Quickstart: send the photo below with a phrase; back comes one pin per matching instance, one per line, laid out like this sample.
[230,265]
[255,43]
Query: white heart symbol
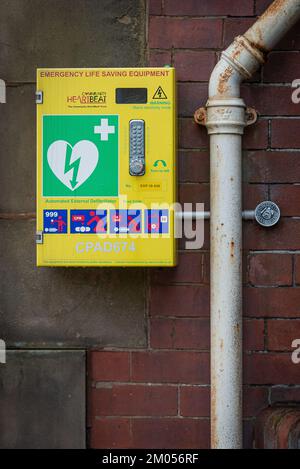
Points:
[72,170]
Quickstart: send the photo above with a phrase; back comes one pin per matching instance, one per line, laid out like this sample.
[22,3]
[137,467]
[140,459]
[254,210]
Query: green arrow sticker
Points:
[80,155]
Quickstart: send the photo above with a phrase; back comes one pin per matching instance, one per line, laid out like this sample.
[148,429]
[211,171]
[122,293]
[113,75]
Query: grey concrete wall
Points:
[42,400]
[52,306]
[55,308]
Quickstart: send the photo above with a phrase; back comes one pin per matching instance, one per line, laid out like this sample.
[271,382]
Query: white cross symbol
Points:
[104,129]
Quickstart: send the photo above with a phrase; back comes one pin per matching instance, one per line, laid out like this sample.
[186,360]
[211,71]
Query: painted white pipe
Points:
[246,215]
[225,118]
[226,294]
[192,215]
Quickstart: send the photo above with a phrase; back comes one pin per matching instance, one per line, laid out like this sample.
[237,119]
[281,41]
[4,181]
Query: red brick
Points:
[285,394]
[182,241]
[191,96]
[193,193]
[131,400]
[297,270]
[194,401]
[110,433]
[109,366]
[155,7]
[195,236]
[254,400]
[193,267]
[253,194]
[179,300]
[281,333]
[261,6]
[270,100]
[159,58]
[194,65]
[171,367]
[282,67]
[179,333]
[177,433]
[170,333]
[194,166]
[285,133]
[192,135]
[261,97]
[272,302]
[287,197]
[256,135]
[207,7]
[248,433]
[184,33]
[285,235]
[270,269]
[235,27]
[272,166]
[269,368]
[253,334]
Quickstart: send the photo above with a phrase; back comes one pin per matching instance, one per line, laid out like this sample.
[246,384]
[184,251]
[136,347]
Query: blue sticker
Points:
[157,221]
[125,221]
[89,221]
[55,221]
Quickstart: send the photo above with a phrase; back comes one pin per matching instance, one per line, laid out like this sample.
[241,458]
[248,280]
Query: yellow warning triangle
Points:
[159,94]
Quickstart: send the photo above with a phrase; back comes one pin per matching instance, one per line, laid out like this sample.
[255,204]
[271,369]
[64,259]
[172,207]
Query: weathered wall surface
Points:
[42,399]
[44,307]
[56,308]
[159,397]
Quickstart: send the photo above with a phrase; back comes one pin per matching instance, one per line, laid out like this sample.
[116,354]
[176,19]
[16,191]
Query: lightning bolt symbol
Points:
[71,166]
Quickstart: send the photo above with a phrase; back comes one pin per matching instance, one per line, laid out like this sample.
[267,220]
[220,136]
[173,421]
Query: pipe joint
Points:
[238,62]
[243,56]
[226,116]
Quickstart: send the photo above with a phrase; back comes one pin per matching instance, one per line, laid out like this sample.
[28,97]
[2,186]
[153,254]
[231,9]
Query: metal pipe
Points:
[226,294]
[246,215]
[273,24]
[192,215]
[225,117]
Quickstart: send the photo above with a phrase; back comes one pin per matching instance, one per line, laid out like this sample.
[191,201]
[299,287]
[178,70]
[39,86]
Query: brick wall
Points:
[159,396]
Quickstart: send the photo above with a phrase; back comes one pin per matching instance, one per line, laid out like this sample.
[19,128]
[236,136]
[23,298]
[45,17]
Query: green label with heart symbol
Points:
[80,156]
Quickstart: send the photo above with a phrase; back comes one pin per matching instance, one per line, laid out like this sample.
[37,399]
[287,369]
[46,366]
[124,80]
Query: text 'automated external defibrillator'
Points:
[106,167]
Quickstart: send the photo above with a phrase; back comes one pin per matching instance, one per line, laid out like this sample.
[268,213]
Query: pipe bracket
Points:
[267,214]
[251,116]
[200,116]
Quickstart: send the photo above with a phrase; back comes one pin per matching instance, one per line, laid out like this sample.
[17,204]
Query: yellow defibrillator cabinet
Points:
[106,167]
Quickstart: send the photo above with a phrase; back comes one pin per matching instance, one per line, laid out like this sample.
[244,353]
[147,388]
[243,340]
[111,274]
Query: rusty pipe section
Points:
[244,56]
[273,24]
[225,118]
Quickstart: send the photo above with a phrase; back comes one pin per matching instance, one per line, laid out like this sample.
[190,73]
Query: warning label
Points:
[159,94]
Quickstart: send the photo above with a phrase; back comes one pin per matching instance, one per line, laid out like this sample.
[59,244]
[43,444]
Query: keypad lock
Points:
[137,147]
